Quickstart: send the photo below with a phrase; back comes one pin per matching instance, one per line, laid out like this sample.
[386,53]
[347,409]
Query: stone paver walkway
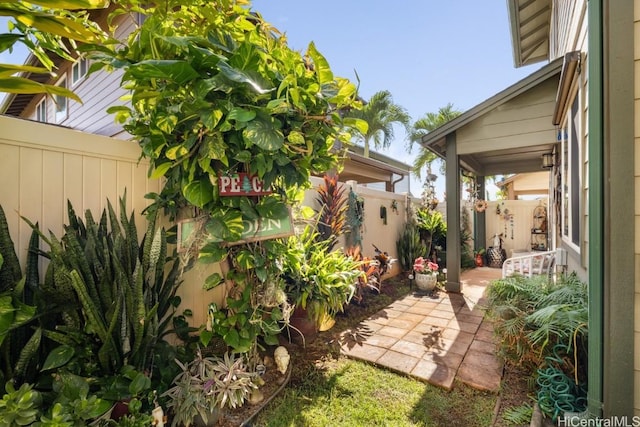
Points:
[435,338]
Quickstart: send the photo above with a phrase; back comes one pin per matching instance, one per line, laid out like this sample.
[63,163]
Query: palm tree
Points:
[422,127]
[381,113]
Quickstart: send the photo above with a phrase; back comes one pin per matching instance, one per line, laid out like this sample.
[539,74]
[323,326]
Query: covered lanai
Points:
[507,133]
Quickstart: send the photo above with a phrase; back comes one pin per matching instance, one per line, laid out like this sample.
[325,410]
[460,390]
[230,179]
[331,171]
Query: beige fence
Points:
[43,166]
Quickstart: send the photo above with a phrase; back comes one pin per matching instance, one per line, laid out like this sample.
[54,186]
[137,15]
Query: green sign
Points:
[256,230]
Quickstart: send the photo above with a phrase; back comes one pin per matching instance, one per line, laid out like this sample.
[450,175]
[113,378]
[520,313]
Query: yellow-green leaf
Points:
[66,4]
[7,70]
[160,170]
[22,85]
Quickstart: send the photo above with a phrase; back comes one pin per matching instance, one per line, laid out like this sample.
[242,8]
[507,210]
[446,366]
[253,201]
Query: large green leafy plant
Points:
[317,279]
[215,90]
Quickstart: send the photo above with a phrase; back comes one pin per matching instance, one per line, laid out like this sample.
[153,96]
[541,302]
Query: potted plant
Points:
[426,274]
[205,387]
[319,282]
[479,257]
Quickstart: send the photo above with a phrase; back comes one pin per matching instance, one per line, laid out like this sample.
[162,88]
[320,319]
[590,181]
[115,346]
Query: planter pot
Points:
[426,282]
[212,419]
[326,322]
[303,325]
[479,261]
[495,256]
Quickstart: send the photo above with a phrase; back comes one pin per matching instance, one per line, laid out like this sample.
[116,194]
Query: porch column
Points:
[452,186]
[479,228]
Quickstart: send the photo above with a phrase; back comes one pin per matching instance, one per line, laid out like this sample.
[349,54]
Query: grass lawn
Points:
[352,393]
[327,389]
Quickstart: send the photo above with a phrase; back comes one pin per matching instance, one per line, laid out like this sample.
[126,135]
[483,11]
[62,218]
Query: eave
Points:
[529,22]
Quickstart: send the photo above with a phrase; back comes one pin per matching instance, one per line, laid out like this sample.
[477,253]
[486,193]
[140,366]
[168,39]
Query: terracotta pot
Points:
[479,261]
[303,325]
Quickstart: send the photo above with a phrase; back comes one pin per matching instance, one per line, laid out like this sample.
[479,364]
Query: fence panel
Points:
[43,166]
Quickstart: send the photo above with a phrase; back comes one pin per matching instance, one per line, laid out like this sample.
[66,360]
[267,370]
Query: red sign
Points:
[241,184]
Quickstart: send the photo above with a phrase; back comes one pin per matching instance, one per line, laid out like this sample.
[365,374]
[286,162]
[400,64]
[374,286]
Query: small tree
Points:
[380,113]
[422,127]
[333,209]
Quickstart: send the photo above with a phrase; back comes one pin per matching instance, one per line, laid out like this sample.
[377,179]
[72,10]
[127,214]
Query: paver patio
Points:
[435,338]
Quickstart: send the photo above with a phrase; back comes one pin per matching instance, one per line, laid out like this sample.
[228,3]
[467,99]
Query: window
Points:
[61,102]
[571,175]
[79,70]
[41,110]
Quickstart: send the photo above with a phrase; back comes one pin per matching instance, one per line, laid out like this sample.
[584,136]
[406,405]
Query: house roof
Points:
[14,104]
[507,133]
[530,21]
[375,168]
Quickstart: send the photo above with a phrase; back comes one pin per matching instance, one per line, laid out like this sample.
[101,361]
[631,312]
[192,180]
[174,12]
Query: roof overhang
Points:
[529,21]
[375,168]
[484,145]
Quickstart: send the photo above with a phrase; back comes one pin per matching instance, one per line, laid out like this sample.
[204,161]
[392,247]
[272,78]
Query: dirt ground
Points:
[324,350]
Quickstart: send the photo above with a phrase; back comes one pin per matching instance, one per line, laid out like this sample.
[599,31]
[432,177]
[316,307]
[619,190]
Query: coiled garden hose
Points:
[559,393]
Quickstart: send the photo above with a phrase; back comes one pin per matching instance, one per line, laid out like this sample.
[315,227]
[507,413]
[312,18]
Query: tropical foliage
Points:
[47,29]
[410,246]
[542,326]
[215,90]
[223,93]
[91,332]
[319,280]
[381,114]
[333,210]
[433,230]
[423,126]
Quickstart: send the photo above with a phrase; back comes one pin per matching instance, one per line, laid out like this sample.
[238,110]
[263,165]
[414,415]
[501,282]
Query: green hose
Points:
[559,393]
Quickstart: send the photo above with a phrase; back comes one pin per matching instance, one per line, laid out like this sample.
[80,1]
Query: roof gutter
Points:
[570,70]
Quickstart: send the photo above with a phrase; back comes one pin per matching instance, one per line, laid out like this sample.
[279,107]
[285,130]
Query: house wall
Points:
[98,92]
[499,127]
[569,33]
[43,166]
[568,27]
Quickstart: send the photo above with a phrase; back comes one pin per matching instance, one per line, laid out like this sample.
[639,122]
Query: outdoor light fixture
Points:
[548,160]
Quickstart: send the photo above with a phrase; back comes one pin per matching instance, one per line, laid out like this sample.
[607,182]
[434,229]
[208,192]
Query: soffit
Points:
[530,23]
[375,168]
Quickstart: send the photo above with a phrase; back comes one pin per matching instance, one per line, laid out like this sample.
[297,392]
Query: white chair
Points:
[533,263]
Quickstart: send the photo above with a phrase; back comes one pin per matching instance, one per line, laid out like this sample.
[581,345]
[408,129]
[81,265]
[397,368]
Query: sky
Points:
[427,53]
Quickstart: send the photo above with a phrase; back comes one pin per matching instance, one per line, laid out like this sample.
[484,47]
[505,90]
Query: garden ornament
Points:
[282,359]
